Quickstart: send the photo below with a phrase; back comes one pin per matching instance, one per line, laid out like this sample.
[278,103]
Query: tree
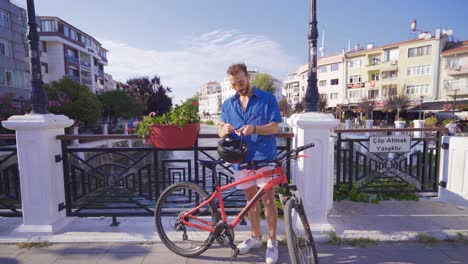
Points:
[263,81]
[284,107]
[322,103]
[366,106]
[398,103]
[118,103]
[151,93]
[74,100]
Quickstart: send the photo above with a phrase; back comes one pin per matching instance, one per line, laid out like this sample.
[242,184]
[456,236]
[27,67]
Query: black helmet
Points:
[232,150]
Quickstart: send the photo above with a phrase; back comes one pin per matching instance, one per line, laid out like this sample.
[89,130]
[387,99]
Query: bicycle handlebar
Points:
[279,159]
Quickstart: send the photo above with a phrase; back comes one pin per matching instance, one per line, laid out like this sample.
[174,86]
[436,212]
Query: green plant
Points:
[426,239]
[430,121]
[459,238]
[28,245]
[179,115]
[334,238]
[402,192]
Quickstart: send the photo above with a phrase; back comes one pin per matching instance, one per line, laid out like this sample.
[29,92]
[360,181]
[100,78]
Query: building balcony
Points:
[71,59]
[86,81]
[74,78]
[85,63]
[460,70]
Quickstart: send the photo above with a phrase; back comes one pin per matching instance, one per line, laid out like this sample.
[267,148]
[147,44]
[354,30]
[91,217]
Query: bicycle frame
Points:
[278,177]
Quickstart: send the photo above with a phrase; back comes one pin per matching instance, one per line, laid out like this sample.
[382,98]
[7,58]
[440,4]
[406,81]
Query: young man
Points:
[452,128]
[254,113]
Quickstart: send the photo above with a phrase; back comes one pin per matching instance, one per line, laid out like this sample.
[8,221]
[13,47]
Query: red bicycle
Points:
[188,220]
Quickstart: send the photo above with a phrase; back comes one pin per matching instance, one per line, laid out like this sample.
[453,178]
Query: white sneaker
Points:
[271,254]
[248,244]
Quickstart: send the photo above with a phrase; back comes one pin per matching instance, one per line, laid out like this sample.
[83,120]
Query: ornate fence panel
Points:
[10,192]
[388,167]
[104,176]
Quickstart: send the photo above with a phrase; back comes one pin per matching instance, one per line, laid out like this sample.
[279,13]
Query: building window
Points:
[453,63]
[322,83]
[419,51]
[4,18]
[334,67]
[71,53]
[355,79]
[48,26]
[2,76]
[374,93]
[333,96]
[354,94]
[66,31]
[5,47]
[417,89]
[9,78]
[389,74]
[391,55]
[375,77]
[44,46]
[355,63]
[45,67]
[389,90]
[419,70]
[323,68]
[374,60]
[73,35]
[334,82]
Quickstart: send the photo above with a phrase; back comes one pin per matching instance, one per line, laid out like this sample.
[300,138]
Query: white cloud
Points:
[201,59]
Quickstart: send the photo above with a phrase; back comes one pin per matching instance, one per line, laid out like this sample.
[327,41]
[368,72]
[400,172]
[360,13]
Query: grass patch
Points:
[28,245]
[458,238]
[426,239]
[361,242]
[336,240]
[344,192]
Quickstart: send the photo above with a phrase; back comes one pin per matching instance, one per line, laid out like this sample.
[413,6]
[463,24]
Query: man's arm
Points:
[268,129]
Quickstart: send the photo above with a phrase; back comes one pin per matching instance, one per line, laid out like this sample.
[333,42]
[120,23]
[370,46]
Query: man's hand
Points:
[225,129]
[246,130]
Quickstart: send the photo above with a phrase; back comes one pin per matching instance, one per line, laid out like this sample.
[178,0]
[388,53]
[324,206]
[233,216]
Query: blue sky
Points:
[191,42]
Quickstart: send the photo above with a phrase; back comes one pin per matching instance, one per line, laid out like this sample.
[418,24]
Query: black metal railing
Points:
[118,175]
[416,170]
[10,192]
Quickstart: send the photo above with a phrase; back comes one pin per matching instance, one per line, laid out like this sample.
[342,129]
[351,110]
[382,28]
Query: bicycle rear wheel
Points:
[181,239]
[301,246]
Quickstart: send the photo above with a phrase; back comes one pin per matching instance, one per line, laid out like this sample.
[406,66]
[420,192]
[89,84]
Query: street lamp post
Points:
[454,102]
[398,107]
[420,107]
[38,97]
[312,95]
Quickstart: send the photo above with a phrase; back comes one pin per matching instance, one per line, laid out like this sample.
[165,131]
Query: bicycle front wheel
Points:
[299,238]
[181,239]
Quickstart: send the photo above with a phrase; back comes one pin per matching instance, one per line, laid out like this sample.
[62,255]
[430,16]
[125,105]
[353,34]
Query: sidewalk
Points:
[386,221]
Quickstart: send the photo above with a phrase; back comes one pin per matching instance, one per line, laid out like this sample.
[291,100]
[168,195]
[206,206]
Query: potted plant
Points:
[177,128]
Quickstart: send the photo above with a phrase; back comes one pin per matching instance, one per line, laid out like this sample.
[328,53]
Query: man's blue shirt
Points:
[261,109]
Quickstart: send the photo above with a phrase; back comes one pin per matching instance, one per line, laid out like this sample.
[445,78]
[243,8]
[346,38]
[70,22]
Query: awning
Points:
[435,106]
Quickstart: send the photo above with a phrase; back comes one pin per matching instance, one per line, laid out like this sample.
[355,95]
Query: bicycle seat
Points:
[210,163]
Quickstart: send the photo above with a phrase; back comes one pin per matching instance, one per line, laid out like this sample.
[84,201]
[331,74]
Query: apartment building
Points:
[295,85]
[210,100]
[454,71]
[409,67]
[68,51]
[14,55]
[330,81]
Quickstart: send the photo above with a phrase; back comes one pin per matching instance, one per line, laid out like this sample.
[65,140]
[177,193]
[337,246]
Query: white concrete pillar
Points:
[105,128]
[369,124]
[419,124]
[399,124]
[348,124]
[41,177]
[314,175]
[75,142]
[129,142]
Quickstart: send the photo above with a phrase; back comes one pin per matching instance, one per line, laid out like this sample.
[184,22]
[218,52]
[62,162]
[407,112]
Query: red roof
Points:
[456,48]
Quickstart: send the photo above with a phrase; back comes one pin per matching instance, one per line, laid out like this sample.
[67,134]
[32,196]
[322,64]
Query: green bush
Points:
[431,121]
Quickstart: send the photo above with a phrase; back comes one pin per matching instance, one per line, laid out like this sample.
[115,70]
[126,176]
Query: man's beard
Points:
[244,91]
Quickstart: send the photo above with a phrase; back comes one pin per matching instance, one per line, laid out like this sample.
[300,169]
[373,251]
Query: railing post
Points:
[41,171]
[314,175]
